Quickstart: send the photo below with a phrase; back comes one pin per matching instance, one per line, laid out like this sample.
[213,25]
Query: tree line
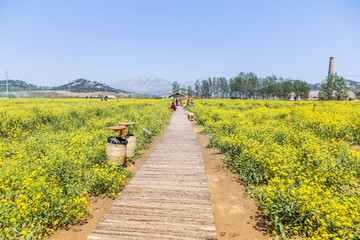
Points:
[246,86]
[249,86]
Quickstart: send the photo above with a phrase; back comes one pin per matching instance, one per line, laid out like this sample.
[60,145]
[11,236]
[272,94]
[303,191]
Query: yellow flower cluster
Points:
[296,159]
[52,157]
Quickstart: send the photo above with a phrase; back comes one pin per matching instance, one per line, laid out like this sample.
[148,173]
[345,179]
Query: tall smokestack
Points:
[331,66]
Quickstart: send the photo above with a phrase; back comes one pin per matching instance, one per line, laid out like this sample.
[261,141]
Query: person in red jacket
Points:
[173,106]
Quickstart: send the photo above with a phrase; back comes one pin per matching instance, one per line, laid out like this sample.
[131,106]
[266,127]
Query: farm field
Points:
[52,158]
[299,161]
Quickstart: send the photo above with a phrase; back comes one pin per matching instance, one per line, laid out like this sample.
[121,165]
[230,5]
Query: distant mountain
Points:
[350,83]
[79,85]
[84,85]
[17,85]
[353,84]
[315,86]
[145,85]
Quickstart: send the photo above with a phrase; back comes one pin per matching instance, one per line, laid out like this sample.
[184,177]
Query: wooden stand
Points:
[131,147]
[119,128]
[127,124]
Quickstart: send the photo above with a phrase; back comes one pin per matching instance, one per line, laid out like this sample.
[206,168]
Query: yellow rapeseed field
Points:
[52,157]
[296,158]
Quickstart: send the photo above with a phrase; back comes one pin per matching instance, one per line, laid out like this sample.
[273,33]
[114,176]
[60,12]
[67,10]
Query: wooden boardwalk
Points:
[168,198]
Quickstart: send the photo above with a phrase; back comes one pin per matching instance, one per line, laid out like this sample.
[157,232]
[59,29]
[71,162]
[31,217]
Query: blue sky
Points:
[48,42]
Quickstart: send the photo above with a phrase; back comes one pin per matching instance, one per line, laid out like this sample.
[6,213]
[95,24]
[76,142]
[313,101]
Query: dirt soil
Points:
[235,216]
[356,147]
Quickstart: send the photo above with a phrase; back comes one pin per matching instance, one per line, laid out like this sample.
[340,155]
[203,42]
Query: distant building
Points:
[176,95]
[352,95]
[314,95]
[110,97]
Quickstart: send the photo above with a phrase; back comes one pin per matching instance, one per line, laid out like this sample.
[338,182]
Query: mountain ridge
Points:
[84,85]
[17,85]
[78,85]
[350,83]
[144,85]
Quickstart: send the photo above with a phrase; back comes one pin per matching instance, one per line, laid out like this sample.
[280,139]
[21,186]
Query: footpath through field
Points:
[168,198]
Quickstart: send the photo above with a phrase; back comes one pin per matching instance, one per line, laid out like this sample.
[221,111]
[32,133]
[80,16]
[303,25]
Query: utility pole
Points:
[7,85]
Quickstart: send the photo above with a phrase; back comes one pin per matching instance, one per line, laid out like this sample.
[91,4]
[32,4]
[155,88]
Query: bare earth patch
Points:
[356,147]
[235,216]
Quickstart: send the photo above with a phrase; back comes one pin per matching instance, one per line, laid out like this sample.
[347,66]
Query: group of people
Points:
[106,98]
[188,103]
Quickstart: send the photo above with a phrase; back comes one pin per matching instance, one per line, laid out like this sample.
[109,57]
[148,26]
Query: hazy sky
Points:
[50,42]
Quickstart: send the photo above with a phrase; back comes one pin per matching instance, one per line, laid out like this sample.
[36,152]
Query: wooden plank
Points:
[168,198]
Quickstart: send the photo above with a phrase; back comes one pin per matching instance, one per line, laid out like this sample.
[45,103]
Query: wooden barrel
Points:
[131,146]
[116,152]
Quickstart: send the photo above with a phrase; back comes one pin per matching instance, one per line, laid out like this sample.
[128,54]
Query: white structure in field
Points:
[314,95]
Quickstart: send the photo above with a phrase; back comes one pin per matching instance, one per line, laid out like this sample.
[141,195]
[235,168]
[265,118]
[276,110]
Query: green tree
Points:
[267,87]
[211,88]
[215,87]
[252,83]
[327,88]
[183,89]
[241,85]
[233,88]
[341,89]
[262,88]
[197,88]
[190,91]
[284,88]
[287,87]
[205,89]
[334,87]
[175,87]
[223,87]
[301,89]
[278,88]
[272,86]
